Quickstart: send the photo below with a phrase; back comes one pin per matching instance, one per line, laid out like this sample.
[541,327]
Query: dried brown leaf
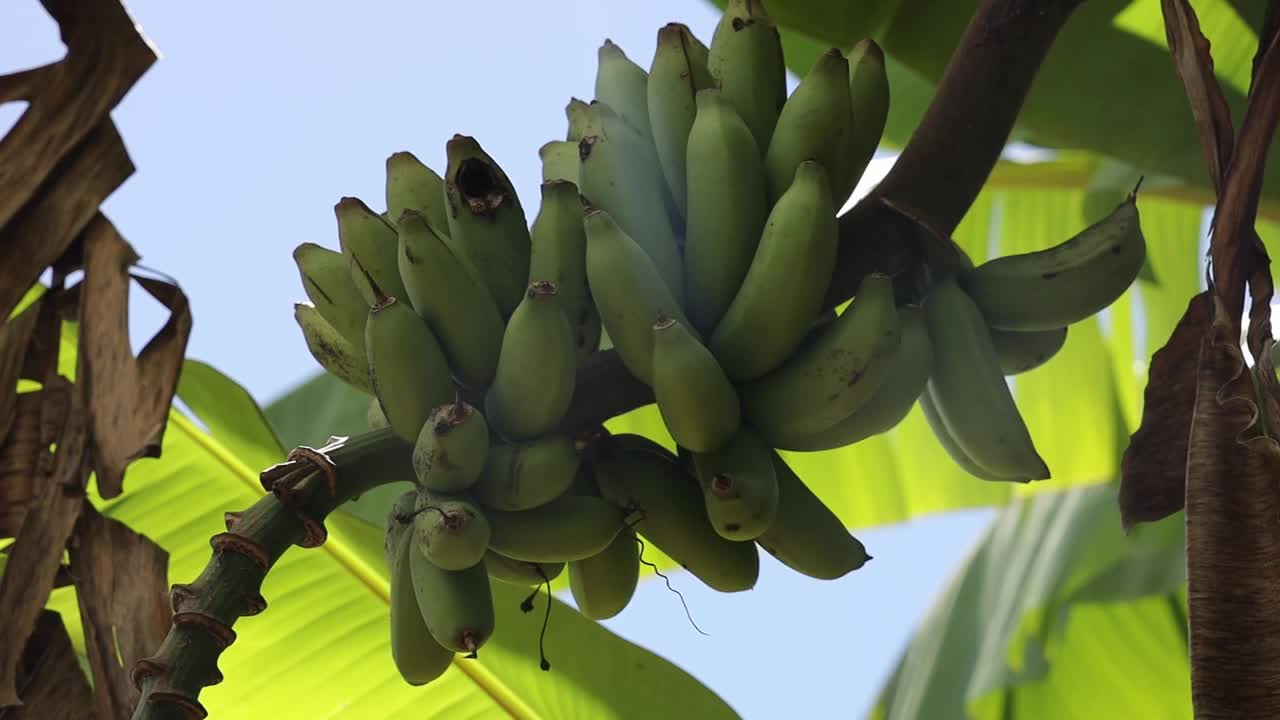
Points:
[14,338]
[1153,470]
[37,551]
[121,581]
[19,460]
[1190,50]
[128,398]
[1233,536]
[52,685]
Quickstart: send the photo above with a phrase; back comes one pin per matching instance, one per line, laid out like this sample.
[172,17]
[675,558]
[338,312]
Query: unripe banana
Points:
[457,605]
[833,376]
[536,368]
[814,125]
[519,572]
[907,375]
[738,486]
[451,531]
[697,402]
[628,291]
[623,85]
[524,476]
[559,254]
[619,174]
[369,243]
[1020,352]
[334,352]
[805,535]
[451,449]
[671,513]
[782,292]
[869,98]
[571,527]
[604,583]
[374,415]
[326,278]
[745,61]
[678,72]
[487,226]
[948,441]
[559,161]
[1064,284]
[582,121]
[412,185]
[970,392]
[417,655]
[407,368]
[454,303]
[727,211]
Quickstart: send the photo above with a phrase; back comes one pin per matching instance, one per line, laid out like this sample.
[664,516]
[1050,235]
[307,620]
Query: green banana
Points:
[671,513]
[571,527]
[451,449]
[407,368]
[678,72]
[773,309]
[1064,284]
[739,486]
[905,379]
[834,375]
[604,583]
[628,291]
[524,476]
[1020,352]
[619,174]
[417,655]
[582,121]
[412,185]
[451,531]
[374,415]
[869,99]
[334,352]
[814,125]
[805,535]
[453,302]
[559,254]
[623,85]
[456,605]
[487,225]
[559,161]
[697,402]
[948,441]
[969,390]
[326,278]
[536,368]
[726,213]
[369,243]
[519,572]
[745,60]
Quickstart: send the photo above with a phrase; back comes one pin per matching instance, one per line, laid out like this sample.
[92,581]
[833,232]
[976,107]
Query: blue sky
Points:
[260,116]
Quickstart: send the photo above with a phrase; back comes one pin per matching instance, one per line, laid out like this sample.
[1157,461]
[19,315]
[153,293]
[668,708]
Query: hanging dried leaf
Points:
[1153,470]
[53,686]
[1233,536]
[1190,50]
[37,551]
[128,398]
[121,581]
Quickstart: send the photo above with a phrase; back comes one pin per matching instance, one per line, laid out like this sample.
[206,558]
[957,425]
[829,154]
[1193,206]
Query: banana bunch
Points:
[688,221]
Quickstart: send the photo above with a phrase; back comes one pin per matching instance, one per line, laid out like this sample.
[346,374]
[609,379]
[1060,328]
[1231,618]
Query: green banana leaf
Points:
[322,647]
[1107,86]
[1057,614]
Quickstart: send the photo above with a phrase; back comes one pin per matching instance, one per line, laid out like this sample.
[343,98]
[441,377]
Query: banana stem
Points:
[302,493]
[958,141]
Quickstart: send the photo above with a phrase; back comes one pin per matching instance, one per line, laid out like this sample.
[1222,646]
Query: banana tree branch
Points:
[303,491]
